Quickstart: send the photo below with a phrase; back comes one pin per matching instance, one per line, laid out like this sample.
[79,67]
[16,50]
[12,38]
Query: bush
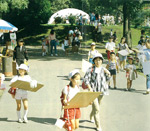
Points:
[72,19]
[58,20]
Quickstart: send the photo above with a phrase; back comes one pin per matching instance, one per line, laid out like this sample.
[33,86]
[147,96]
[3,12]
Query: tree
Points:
[9,5]
[38,12]
[57,5]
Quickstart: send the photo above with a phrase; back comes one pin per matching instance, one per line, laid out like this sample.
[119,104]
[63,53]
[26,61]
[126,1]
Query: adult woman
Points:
[95,80]
[52,42]
[122,46]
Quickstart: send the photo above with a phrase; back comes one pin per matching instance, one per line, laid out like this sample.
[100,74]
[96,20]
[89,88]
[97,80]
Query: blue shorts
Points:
[112,72]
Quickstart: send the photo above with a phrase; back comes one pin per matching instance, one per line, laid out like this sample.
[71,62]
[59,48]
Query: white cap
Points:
[72,73]
[98,55]
[24,67]
[93,43]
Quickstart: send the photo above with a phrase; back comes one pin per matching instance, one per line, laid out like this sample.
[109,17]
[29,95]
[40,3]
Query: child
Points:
[20,53]
[110,47]
[69,92]
[66,45]
[112,66]
[140,47]
[92,53]
[44,47]
[22,95]
[130,72]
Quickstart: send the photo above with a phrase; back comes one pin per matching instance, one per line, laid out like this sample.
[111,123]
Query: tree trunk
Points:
[126,24]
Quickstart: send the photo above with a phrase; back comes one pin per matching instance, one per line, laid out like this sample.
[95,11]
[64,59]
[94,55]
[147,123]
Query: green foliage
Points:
[9,5]
[58,20]
[72,19]
[38,12]
[57,5]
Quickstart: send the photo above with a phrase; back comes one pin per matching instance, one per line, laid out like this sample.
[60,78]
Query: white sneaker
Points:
[56,55]
[20,121]
[51,54]
[25,120]
[99,129]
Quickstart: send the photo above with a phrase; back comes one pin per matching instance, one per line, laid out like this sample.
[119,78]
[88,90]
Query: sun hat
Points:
[72,73]
[23,66]
[98,55]
[93,43]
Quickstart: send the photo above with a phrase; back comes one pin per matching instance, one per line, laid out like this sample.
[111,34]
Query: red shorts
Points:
[108,54]
[74,113]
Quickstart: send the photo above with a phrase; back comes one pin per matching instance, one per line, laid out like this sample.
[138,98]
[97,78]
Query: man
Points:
[20,53]
[95,80]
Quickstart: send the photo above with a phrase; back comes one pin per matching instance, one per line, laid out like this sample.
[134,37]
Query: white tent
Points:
[66,12]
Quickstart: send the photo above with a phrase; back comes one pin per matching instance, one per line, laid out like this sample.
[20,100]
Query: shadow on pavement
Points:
[86,127]
[3,119]
[47,121]
[131,91]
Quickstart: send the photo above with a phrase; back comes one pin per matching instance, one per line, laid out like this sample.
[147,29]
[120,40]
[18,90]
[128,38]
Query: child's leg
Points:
[128,83]
[76,123]
[18,110]
[73,124]
[114,80]
[18,105]
[25,103]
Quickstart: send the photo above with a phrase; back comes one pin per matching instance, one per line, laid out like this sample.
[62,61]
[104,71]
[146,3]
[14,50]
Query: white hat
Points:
[98,55]
[72,73]
[24,67]
[93,43]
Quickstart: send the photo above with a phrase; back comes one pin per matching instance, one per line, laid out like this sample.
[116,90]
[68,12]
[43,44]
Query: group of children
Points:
[113,65]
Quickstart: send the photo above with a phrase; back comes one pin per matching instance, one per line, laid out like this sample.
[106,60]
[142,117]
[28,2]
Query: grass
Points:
[33,36]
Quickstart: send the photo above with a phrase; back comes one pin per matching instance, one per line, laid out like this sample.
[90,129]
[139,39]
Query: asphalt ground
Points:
[120,111]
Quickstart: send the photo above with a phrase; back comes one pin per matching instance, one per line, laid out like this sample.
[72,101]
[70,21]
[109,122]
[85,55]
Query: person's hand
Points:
[65,102]
[90,90]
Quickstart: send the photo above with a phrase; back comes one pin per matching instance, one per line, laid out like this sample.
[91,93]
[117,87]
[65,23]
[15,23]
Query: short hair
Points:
[112,53]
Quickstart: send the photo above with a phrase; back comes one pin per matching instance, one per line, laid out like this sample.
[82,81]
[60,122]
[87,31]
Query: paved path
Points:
[120,111]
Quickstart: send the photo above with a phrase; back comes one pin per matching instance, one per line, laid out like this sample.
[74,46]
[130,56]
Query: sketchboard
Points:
[125,52]
[25,85]
[82,99]
[146,67]
[85,65]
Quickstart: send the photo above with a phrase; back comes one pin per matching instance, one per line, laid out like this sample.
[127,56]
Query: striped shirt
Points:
[97,80]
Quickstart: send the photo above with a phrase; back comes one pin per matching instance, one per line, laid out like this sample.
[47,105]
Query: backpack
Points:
[62,96]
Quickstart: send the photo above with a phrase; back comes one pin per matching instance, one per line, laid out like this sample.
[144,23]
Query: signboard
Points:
[25,85]
[82,99]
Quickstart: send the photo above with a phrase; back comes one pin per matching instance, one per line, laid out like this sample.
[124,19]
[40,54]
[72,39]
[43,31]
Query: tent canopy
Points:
[6,27]
[66,12]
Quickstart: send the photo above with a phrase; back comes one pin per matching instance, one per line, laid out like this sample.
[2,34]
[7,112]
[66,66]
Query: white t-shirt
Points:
[66,42]
[72,91]
[26,78]
[130,67]
[140,47]
[91,53]
[110,45]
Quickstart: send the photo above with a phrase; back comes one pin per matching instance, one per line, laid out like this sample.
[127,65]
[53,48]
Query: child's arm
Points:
[65,99]
[136,73]
[107,66]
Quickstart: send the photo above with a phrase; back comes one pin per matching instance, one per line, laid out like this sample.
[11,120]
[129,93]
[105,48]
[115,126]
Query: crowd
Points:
[96,78]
